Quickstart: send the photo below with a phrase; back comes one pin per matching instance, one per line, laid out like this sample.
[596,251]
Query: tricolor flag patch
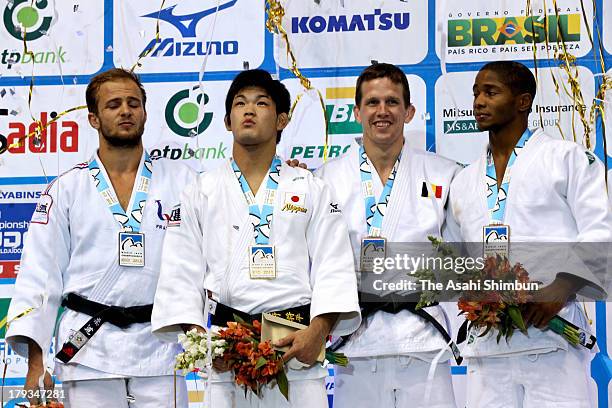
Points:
[434,190]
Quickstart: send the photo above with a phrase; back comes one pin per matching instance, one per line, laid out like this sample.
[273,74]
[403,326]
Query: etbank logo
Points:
[186,25]
[27,16]
[183,114]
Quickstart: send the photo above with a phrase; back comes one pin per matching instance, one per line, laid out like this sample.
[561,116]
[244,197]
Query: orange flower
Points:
[490,265]
[492,318]
[467,306]
[471,316]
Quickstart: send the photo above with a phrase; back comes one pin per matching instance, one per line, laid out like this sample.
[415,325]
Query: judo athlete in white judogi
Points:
[94,242]
[253,203]
[390,355]
[538,189]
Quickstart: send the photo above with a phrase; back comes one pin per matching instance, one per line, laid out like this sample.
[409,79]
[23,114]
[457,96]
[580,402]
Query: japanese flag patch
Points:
[294,202]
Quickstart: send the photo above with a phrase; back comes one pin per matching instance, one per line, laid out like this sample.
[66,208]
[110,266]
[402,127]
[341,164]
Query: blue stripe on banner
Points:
[601,365]
[7,281]
[17,381]
[458,370]
[26,180]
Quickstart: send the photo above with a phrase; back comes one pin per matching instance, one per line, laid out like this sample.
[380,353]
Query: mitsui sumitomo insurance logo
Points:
[26,16]
[183,114]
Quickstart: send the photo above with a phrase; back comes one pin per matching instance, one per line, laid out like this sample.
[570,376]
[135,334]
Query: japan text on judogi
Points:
[72,248]
[209,252]
[557,194]
[393,351]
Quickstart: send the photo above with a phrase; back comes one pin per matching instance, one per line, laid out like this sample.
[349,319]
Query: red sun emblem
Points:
[295,199]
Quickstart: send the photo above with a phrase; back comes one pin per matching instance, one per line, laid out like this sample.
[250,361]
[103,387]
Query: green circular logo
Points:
[23,16]
[188,112]
[183,111]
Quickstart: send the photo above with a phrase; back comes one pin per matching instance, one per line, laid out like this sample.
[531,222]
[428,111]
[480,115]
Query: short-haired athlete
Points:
[259,236]
[390,192]
[94,246]
[527,187]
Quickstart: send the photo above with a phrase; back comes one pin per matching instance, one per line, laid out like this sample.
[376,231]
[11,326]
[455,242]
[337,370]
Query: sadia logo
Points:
[183,114]
[186,24]
[26,16]
[58,136]
[514,30]
[339,111]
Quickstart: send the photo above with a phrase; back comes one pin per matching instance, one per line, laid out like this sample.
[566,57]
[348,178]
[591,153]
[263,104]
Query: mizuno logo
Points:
[187,24]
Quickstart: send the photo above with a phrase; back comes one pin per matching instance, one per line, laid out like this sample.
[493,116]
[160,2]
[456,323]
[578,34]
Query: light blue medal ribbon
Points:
[496,197]
[131,222]
[374,212]
[261,218]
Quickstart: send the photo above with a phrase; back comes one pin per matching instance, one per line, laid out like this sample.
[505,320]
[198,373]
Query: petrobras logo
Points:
[14,223]
[186,25]
[59,136]
[503,28]
[317,151]
[183,114]
[339,105]
[376,21]
[28,18]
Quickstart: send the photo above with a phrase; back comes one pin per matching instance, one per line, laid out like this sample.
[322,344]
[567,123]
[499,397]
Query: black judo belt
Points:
[220,314]
[394,305]
[121,317]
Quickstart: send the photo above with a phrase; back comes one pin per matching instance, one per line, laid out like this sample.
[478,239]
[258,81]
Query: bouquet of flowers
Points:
[499,309]
[254,363]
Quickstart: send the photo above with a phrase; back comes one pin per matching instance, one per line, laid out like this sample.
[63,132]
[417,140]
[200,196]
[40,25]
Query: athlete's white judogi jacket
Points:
[209,251]
[72,243]
[409,218]
[557,194]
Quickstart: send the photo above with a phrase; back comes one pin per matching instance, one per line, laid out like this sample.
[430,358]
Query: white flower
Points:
[219,351]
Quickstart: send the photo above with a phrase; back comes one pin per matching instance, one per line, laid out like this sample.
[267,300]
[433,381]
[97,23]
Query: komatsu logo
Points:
[357,22]
[186,25]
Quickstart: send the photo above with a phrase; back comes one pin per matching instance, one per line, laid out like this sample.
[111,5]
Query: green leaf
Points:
[261,362]
[238,319]
[509,333]
[517,318]
[336,358]
[283,383]
[499,336]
